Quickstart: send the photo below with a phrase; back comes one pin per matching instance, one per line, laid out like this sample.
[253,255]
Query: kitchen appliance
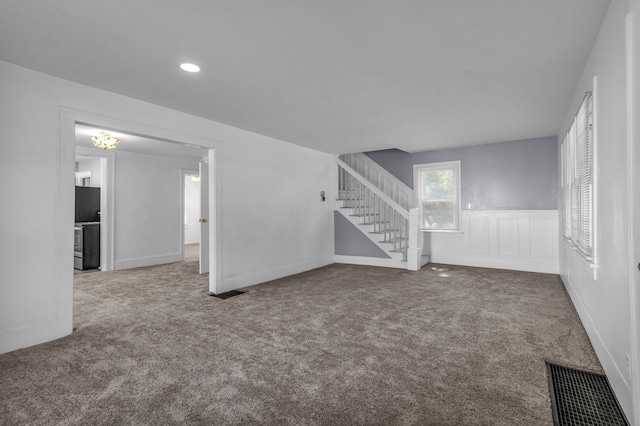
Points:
[86,238]
[86,245]
[87,204]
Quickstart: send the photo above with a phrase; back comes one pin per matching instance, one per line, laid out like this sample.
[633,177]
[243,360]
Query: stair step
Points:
[384,231]
[358,208]
[364,214]
[375,223]
[401,250]
[394,240]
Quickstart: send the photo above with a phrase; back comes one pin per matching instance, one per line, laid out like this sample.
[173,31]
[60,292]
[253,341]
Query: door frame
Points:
[183,174]
[69,117]
[632,30]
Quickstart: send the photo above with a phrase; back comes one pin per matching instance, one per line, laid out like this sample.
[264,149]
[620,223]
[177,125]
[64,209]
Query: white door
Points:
[204,217]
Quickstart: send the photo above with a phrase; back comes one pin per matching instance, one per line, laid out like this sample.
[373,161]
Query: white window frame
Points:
[578,181]
[455,166]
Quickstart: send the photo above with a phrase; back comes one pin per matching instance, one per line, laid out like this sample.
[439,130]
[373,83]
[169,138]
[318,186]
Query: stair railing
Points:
[390,185]
[384,215]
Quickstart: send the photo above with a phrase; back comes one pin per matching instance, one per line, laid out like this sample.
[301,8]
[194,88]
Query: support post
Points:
[414,251]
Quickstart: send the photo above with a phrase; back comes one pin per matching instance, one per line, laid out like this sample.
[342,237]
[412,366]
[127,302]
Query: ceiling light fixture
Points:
[104,141]
[195,178]
[190,67]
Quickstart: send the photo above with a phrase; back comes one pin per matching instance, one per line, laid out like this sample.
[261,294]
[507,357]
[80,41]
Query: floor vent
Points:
[227,294]
[582,398]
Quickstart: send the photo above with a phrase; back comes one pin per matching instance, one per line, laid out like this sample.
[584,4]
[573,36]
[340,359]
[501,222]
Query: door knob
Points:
[203,220]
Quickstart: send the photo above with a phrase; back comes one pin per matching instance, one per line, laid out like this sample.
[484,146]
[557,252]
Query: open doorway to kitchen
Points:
[138,192]
[146,226]
[89,245]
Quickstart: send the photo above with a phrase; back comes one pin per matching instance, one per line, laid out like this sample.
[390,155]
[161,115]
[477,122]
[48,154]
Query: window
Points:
[437,188]
[578,180]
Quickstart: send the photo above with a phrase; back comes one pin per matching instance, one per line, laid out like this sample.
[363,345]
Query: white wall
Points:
[191,211]
[93,166]
[273,221]
[603,303]
[272,193]
[148,209]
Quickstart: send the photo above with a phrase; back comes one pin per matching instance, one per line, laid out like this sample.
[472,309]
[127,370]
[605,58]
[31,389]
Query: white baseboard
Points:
[262,276]
[370,261]
[514,264]
[148,261]
[33,334]
[617,380]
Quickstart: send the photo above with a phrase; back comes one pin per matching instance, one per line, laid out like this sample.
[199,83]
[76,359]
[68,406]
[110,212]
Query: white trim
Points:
[69,117]
[216,285]
[64,219]
[581,240]
[417,185]
[107,224]
[379,177]
[148,261]
[528,265]
[370,261]
[262,276]
[617,380]
[384,197]
[32,334]
[401,187]
[633,170]
[594,180]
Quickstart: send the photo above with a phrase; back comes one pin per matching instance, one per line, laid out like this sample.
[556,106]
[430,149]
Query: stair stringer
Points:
[395,260]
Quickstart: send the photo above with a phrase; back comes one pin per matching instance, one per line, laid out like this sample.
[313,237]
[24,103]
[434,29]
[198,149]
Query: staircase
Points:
[379,205]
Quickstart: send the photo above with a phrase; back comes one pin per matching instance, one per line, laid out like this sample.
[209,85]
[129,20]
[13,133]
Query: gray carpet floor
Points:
[339,345]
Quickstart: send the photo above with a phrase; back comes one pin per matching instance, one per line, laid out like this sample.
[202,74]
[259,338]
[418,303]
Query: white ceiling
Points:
[333,75]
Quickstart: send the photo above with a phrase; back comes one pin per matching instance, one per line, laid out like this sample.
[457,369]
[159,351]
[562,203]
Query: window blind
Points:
[578,189]
[583,182]
[567,167]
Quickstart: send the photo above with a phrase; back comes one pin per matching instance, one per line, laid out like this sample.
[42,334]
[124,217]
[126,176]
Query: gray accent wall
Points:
[516,175]
[396,162]
[350,241]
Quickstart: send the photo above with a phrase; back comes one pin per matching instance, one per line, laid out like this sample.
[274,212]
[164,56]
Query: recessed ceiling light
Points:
[190,67]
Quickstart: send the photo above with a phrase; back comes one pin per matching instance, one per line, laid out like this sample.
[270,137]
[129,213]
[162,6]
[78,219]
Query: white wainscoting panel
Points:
[478,235]
[522,240]
[508,236]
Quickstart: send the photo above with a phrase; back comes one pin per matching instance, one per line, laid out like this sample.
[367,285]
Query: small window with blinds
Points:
[578,180]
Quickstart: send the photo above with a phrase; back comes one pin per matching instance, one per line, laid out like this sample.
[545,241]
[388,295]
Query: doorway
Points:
[88,207]
[69,118]
[192,217]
